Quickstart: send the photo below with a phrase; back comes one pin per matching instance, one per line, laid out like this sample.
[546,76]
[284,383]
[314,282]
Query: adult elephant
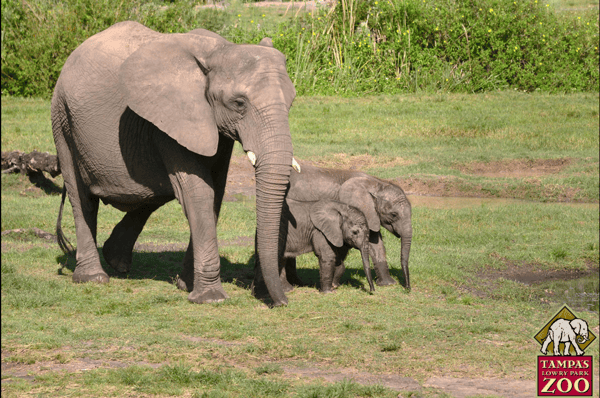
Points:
[140,118]
[384,204]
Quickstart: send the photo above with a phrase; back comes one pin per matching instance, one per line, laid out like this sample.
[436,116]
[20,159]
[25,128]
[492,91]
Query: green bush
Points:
[356,47]
[447,45]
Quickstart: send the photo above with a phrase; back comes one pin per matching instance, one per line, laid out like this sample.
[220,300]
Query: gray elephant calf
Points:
[327,228]
[382,203]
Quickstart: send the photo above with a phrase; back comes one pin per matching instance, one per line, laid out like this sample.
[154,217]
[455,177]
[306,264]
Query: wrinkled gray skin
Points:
[383,204]
[327,228]
[140,118]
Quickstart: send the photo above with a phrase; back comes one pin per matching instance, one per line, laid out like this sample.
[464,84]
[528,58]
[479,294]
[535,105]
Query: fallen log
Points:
[32,163]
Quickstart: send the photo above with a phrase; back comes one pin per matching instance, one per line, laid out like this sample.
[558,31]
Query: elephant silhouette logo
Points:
[565,335]
[569,333]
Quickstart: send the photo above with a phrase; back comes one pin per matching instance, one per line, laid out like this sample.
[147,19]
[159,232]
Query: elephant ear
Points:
[164,82]
[576,325]
[327,219]
[358,192]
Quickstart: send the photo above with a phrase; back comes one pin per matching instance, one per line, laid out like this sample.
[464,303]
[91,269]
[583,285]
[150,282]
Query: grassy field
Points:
[464,318]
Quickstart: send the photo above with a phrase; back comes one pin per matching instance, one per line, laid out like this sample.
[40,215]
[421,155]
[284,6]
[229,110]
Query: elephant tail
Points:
[62,240]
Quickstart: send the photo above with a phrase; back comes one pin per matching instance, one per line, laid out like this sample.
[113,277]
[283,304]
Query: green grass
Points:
[139,336]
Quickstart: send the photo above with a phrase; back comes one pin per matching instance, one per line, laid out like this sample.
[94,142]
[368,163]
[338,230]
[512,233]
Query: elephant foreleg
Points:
[191,179]
[573,341]
[328,261]
[377,252]
[337,275]
[117,250]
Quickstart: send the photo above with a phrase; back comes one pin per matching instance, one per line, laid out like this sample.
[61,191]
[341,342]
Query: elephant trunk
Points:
[273,168]
[404,254]
[367,265]
[582,339]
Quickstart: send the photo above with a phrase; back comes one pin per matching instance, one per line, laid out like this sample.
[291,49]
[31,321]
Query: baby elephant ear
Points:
[327,219]
[357,192]
[164,82]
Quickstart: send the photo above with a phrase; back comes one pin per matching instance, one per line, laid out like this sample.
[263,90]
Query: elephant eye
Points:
[239,103]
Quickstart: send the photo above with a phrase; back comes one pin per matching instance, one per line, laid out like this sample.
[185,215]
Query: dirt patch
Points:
[240,180]
[242,186]
[333,375]
[462,387]
[516,168]
[11,370]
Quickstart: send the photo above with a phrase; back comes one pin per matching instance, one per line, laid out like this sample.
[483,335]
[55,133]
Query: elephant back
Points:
[98,58]
[317,183]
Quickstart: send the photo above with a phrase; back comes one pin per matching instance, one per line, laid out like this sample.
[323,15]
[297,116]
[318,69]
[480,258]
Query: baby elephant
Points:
[328,228]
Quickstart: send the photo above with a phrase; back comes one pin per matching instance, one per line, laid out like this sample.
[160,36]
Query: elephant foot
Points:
[383,275]
[118,261]
[213,295]
[184,283]
[385,282]
[98,277]
[287,287]
[280,303]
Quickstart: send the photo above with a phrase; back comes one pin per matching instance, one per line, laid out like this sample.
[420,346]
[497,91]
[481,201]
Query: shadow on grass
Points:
[45,184]
[165,266]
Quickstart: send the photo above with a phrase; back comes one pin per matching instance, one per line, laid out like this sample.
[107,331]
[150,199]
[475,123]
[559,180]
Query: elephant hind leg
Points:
[547,342]
[291,274]
[117,250]
[85,214]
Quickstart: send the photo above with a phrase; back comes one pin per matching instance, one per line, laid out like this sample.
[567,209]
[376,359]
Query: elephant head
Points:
[198,87]
[344,225]
[383,204]
[580,328]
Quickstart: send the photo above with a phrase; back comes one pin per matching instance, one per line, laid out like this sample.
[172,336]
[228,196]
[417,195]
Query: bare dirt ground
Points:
[241,177]
[241,186]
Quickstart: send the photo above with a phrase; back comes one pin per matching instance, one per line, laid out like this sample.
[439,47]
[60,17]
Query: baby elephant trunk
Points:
[367,265]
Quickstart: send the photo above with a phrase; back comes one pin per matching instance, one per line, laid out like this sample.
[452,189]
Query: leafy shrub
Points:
[357,46]
[447,45]
[39,35]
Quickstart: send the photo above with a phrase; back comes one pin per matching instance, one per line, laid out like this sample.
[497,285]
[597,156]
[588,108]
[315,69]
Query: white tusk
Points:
[295,165]
[252,157]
